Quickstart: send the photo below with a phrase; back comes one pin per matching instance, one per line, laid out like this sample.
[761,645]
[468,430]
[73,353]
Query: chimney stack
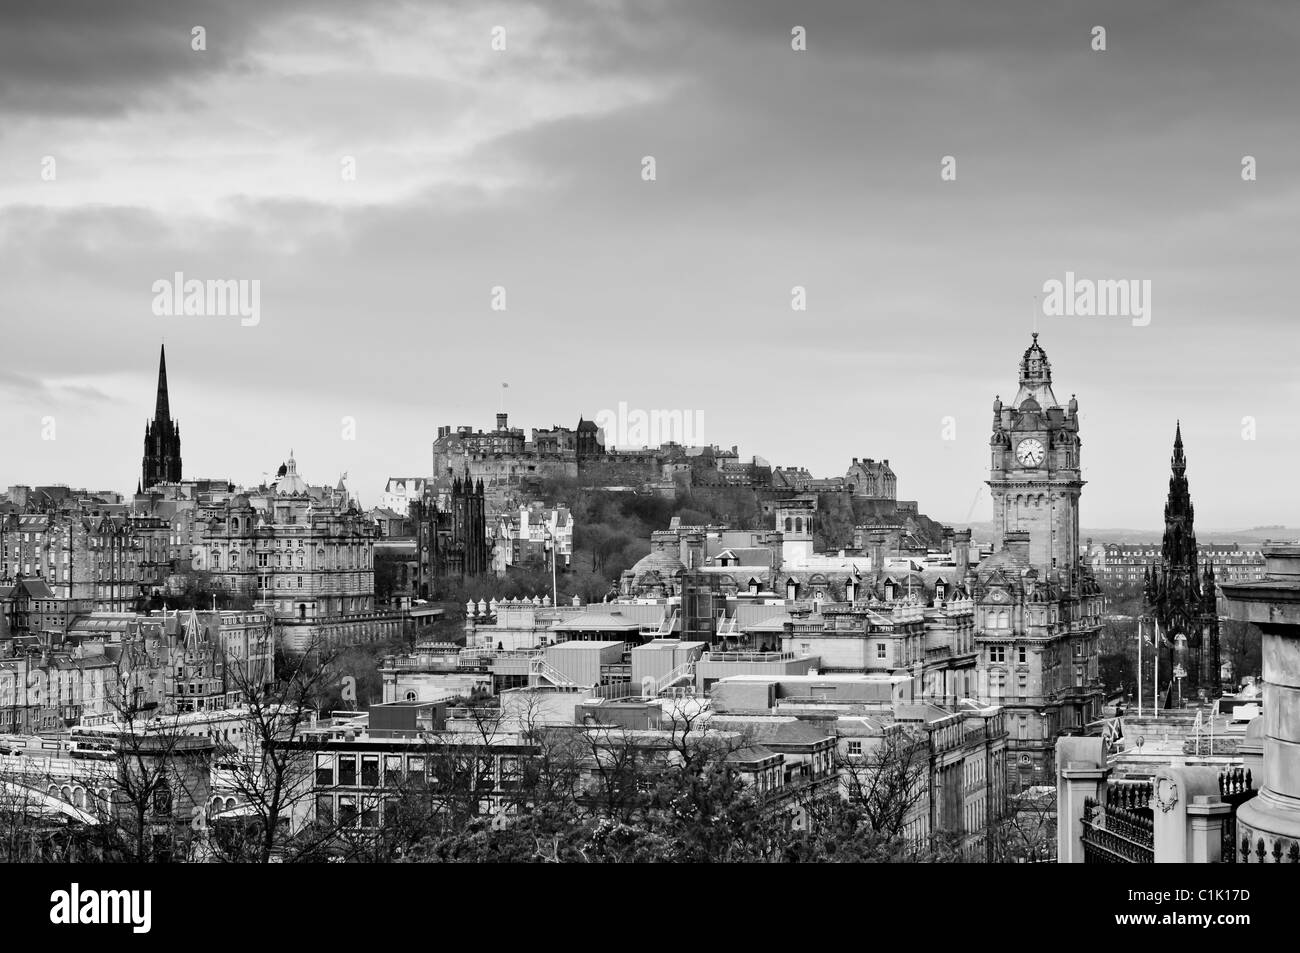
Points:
[876,546]
[961,549]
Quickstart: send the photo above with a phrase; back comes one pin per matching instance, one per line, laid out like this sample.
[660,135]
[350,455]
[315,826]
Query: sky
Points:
[523,169]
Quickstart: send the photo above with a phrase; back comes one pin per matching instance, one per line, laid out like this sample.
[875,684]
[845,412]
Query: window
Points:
[324,769]
[347,770]
[855,748]
[325,807]
[1022,655]
[347,811]
[392,767]
[997,653]
[882,650]
[162,800]
[370,770]
[370,812]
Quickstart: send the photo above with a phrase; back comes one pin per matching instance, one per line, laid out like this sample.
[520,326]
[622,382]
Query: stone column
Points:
[1081,774]
[1205,816]
[1177,789]
[1273,604]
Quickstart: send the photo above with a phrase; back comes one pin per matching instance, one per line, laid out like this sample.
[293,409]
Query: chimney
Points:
[876,546]
[961,549]
[501,421]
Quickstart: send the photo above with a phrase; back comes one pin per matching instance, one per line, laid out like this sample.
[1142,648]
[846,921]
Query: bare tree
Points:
[268,763]
[1027,832]
[889,781]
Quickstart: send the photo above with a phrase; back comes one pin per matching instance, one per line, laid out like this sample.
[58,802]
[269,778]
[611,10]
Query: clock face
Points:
[1030,452]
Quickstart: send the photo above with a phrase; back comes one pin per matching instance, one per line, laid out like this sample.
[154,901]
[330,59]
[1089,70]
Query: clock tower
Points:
[1034,476]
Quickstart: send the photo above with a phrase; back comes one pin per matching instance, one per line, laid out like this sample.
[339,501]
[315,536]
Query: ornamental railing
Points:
[1235,789]
[1121,830]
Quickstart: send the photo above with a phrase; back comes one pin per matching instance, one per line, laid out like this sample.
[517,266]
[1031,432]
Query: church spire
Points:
[162,410]
[162,437]
[1178,463]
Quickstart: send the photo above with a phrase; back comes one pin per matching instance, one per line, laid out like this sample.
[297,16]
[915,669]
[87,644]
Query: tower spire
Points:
[162,436]
[162,410]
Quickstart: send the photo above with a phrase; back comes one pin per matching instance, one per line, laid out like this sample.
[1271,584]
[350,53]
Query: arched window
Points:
[798,524]
[410,696]
[789,524]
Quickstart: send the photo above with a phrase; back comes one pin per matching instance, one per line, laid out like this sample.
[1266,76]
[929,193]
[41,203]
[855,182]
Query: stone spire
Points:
[1175,592]
[162,410]
[162,437]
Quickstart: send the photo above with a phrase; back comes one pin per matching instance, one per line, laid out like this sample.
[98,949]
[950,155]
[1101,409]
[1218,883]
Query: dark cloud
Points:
[774,169]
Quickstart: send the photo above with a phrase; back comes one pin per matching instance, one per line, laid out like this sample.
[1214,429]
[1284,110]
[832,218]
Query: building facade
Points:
[1037,607]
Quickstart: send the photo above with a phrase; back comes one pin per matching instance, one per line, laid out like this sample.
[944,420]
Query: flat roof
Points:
[867,678]
[584,644]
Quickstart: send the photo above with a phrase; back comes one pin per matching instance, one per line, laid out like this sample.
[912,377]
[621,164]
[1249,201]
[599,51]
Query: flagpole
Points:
[1139,666]
[1156,678]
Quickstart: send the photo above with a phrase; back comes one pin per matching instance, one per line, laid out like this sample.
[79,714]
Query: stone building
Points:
[304,553]
[1131,563]
[871,479]
[529,536]
[162,437]
[451,540]
[400,492]
[106,563]
[1038,608]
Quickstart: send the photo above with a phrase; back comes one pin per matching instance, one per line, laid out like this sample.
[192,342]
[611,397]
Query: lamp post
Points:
[550,544]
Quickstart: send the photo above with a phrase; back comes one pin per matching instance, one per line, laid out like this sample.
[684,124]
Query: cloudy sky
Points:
[522,168]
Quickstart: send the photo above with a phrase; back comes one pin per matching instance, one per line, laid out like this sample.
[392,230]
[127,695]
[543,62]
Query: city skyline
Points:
[368,492]
[522,168]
